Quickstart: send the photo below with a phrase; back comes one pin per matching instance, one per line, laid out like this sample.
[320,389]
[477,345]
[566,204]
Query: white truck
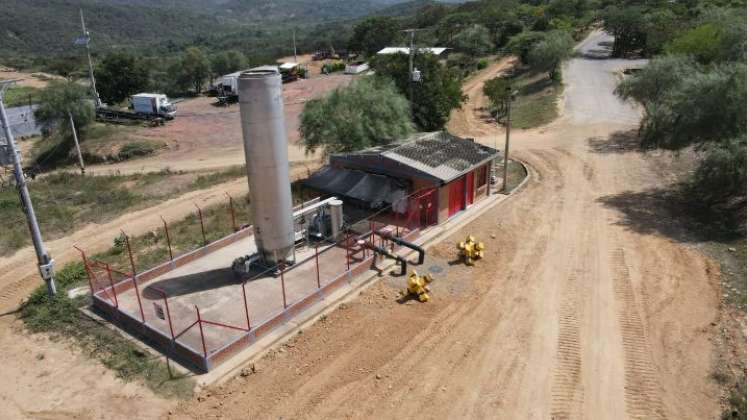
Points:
[153,104]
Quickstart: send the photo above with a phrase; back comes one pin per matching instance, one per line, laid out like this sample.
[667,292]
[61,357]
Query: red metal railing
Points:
[405,223]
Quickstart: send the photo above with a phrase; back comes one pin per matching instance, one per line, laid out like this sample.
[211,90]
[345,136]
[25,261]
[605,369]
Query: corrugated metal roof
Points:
[406,50]
[437,155]
[442,155]
[377,190]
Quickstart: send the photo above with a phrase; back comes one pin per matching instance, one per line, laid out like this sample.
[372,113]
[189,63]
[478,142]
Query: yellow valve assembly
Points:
[418,286]
[471,250]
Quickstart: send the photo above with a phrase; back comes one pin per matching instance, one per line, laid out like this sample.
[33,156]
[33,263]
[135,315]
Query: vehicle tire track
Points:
[567,393]
[641,385]
[567,387]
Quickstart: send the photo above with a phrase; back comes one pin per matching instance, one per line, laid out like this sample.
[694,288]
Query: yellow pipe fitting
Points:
[471,250]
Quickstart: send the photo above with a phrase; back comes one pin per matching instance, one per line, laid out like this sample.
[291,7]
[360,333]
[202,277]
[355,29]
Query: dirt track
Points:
[473,119]
[206,137]
[580,310]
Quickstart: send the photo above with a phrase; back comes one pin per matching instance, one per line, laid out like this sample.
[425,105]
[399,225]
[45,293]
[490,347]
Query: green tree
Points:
[721,178]
[227,62]
[522,43]
[434,97]
[369,112]
[498,92]
[61,97]
[373,34]
[195,68]
[627,25]
[120,75]
[706,106]
[474,40]
[57,100]
[660,27]
[548,54]
[652,83]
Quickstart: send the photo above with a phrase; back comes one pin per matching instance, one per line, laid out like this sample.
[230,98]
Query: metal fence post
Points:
[134,275]
[168,238]
[246,307]
[202,225]
[347,250]
[111,283]
[233,213]
[88,269]
[168,315]
[282,284]
[202,333]
[316,255]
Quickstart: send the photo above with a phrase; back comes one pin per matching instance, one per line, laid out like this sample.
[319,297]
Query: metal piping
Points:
[379,250]
[399,241]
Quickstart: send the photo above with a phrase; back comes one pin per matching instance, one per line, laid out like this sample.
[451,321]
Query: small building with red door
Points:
[440,175]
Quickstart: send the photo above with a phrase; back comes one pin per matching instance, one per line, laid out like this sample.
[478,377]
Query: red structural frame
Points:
[357,257]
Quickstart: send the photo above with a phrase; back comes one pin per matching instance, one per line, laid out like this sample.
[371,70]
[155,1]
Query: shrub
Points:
[136,149]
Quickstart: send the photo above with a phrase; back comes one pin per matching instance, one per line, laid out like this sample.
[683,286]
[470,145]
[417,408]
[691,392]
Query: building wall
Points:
[481,174]
[443,203]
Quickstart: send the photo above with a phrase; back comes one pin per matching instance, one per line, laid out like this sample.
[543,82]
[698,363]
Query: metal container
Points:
[266,150]
[336,221]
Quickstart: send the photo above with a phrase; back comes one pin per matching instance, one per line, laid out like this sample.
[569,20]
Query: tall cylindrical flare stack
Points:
[266,150]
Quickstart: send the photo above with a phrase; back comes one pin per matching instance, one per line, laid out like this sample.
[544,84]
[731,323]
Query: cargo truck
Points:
[153,104]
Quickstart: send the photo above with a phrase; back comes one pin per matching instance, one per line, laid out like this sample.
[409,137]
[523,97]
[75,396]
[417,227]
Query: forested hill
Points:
[50,26]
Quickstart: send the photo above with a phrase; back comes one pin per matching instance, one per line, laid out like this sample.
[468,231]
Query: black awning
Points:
[375,190]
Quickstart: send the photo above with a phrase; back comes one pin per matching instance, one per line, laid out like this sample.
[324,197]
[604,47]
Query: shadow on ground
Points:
[192,283]
[618,142]
[666,211]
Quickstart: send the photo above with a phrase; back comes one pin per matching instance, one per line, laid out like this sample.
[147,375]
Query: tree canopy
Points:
[227,62]
[369,112]
[434,97]
[695,97]
[474,40]
[547,54]
[523,43]
[61,97]
[120,75]
[373,34]
[194,68]
[498,91]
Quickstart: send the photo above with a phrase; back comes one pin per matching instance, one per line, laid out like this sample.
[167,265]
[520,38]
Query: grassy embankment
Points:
[100,143]
[21,96]
[61,316]
[66,202]
[536,103]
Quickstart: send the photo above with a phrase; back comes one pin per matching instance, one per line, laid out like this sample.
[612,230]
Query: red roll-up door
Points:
[456,196]
[470,188]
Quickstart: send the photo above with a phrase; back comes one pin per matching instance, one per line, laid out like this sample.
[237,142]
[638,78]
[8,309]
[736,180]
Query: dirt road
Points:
[206,137]
[473,119]
[581,309]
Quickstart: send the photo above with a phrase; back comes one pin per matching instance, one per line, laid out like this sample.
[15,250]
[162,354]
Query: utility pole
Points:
[46,264]
[86,40]
[295,52]
[77,145]
[412,61]
[508,138]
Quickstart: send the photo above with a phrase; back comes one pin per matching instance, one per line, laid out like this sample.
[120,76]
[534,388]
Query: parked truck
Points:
[152,108]
[153,104]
